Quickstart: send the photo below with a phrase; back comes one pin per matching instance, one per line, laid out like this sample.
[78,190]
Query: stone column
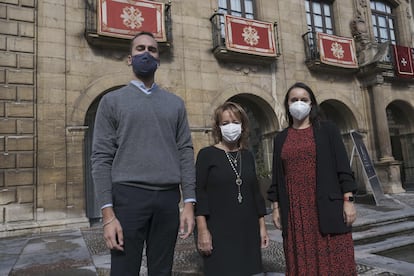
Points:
[388,169]
[381,123]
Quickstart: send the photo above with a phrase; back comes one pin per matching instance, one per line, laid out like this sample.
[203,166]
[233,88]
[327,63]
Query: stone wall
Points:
[17,112]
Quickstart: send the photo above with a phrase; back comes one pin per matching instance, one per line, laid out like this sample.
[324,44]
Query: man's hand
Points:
[113,234]
[187,220]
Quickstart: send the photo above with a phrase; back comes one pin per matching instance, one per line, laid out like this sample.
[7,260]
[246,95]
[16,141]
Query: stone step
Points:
[379,232]
[395,212]
[392,255]
[387,243]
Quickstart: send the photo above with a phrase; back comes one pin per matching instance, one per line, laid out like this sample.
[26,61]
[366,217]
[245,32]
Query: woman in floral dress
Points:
[312,191]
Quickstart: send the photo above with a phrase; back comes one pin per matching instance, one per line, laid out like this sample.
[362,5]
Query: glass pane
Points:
[235,13]
[235,5]
[250,16]
[329,32]
[248,6]
[374,20]
[375,32]
[319,30]
[316,7]
[388,9]
[221,20]
[222,4]
[317,20]
[390,23]
[382,22]
[380,7]
[328,23]
[224,11]
[326,10]
[392,35]
[222,27]
[384,34]
[308,19]
[372,5]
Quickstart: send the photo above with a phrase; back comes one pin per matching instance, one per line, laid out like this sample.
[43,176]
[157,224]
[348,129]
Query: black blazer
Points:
[333,174]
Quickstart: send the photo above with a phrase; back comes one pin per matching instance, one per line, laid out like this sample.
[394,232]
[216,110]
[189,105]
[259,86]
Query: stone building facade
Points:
[52,76]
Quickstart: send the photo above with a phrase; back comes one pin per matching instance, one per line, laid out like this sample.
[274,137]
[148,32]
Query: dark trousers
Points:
[145,216]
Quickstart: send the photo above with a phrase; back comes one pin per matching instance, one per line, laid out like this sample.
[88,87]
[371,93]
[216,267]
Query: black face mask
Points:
[144,65]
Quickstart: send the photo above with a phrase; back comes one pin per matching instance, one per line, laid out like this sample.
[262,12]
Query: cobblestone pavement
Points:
[82,251]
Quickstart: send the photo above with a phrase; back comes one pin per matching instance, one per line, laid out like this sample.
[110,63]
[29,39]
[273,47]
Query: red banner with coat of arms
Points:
[249,36]
[125,18]
[337,51]
[403,58]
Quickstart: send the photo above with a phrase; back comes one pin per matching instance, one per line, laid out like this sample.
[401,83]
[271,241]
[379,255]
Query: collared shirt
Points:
[142,86]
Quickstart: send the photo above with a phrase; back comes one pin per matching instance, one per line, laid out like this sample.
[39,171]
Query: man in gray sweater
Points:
[142,158]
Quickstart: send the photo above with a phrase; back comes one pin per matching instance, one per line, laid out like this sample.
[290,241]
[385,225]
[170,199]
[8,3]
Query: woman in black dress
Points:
[230,209]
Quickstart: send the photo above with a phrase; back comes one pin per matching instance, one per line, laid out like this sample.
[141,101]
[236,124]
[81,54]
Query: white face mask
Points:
[299,110]
[231,132]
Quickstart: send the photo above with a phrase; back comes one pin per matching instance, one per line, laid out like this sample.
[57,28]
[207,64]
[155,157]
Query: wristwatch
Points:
[349,198]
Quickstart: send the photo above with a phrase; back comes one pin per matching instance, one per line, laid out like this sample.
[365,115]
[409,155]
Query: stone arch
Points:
[346,106]
[343,116]
[401,130]
[340,113]
[254,90]
[93,91]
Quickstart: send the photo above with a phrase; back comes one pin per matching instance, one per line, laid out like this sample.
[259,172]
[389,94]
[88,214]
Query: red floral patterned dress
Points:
[307,252]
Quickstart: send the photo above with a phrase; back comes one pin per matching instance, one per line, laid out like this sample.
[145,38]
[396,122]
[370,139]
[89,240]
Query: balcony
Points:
[377,60]
[325,52]
[120,38]
[394,63]
[242,40]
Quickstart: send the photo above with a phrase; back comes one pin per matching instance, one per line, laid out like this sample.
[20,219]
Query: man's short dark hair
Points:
[139,34]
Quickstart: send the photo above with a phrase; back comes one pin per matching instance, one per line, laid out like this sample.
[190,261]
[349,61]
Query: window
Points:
[383,22]
[319,16]
[242,8]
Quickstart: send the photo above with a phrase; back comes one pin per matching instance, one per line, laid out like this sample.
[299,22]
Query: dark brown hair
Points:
[240,114]
[315,113]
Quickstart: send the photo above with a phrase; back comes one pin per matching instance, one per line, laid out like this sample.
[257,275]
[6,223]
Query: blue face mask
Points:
[144,65]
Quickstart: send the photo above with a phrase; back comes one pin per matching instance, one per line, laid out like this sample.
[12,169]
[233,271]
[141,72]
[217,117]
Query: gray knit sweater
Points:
[142,140]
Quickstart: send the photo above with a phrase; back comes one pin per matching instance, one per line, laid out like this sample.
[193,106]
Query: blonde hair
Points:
[240,114]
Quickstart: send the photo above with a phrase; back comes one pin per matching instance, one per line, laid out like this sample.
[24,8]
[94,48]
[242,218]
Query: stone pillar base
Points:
[388,171]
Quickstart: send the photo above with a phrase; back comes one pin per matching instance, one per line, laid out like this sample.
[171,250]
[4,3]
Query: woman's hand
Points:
[205,242]
[276,217]
[349,213]
[264,237]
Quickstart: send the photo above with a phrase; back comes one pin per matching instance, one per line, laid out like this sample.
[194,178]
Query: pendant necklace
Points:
[239,181]
[234,159]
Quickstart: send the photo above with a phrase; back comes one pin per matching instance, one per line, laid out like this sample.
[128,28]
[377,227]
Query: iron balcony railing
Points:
[384,50]
[219,42]
[311,49]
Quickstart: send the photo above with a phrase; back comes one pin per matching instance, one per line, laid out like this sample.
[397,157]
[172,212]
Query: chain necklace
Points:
[234,159]
[239,181]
